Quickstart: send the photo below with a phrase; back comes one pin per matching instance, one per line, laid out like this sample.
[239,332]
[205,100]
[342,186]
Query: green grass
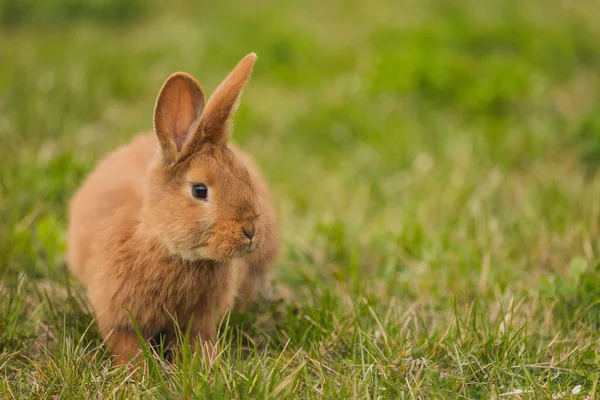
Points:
[436,171]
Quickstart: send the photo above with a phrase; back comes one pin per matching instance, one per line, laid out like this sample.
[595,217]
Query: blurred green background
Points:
[432,161]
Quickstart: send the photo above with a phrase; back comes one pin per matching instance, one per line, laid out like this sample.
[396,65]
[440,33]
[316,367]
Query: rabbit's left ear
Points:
[178,116]
[224,102]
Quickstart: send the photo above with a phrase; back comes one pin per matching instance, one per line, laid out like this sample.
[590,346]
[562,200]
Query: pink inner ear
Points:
[181,116]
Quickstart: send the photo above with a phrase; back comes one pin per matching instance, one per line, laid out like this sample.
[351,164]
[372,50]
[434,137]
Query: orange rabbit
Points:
[175,227]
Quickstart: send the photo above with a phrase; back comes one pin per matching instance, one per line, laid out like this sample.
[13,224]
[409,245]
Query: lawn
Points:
[435,166]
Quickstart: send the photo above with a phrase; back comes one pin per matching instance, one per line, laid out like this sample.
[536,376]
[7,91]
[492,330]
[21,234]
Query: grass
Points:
[435,166]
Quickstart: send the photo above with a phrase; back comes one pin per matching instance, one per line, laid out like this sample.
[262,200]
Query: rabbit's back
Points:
[108,201]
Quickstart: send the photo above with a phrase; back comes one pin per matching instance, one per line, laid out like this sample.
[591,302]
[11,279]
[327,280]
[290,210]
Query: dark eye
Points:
[200,191]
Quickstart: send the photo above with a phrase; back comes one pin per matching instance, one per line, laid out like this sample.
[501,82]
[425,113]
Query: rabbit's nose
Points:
[248,231]
[248,226]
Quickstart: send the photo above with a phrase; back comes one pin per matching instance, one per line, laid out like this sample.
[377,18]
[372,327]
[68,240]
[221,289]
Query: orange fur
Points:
[140,242]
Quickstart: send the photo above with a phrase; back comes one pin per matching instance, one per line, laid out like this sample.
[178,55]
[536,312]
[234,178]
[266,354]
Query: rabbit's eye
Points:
[200,191]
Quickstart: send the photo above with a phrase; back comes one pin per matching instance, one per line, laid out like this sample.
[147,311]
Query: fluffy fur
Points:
[140,242]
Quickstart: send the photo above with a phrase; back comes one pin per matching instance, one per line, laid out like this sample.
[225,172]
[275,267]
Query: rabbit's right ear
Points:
[178,117]
[224,102]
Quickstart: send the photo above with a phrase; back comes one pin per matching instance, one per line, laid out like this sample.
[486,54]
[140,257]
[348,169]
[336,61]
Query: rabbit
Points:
[176,225]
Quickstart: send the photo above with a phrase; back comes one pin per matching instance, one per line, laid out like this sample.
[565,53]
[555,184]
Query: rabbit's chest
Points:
[186,291]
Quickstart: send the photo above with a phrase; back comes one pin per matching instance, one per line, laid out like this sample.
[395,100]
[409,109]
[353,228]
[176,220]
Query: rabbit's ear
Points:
[224,102]
[178,116]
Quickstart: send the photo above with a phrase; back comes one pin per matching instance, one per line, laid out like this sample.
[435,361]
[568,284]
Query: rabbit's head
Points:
[200,201]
